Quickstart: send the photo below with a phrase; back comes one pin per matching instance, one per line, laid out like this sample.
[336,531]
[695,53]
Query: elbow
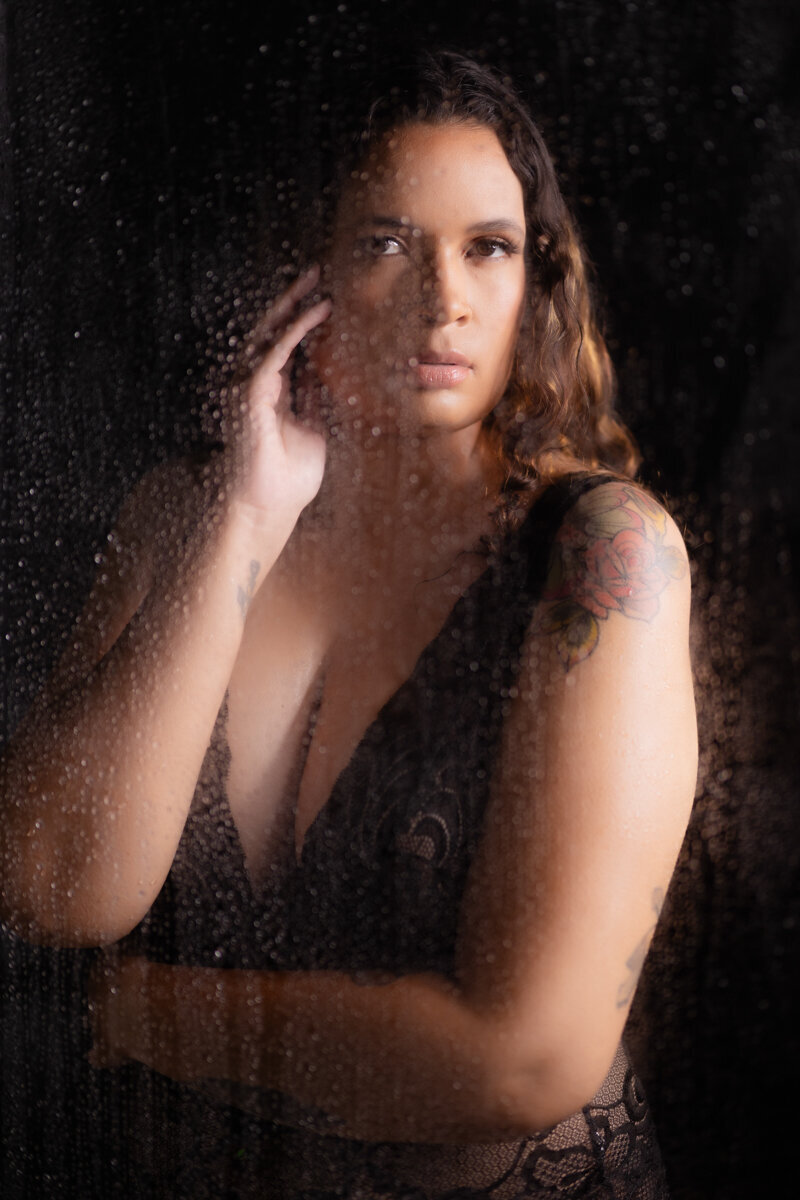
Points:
[41,911]
[49,896]
[62,929]
[532,1092]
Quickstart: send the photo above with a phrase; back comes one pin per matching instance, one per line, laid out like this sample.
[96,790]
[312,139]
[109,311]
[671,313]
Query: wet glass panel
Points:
[162,171]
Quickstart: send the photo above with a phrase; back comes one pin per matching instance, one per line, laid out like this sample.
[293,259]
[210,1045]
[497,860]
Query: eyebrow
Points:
[490,226]
[498,223]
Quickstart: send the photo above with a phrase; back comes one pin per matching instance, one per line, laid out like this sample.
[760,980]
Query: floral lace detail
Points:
[198,1150]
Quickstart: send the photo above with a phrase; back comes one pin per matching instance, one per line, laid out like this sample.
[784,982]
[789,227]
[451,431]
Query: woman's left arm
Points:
[589,806]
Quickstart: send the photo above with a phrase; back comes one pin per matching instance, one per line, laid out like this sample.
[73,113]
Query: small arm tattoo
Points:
[636,960]
[608,556]
[245,594]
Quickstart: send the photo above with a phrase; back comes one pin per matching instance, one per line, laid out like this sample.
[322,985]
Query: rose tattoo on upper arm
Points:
[608,556]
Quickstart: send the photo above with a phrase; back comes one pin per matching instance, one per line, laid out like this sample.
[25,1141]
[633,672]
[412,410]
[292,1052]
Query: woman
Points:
[383,765]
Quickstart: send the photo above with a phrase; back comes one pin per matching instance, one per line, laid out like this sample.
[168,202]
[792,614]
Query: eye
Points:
[493,247]
[383,245]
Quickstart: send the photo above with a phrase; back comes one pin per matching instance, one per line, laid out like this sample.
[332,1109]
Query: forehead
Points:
[433,174]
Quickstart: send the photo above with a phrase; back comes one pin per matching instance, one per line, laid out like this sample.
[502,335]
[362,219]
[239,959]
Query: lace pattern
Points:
[189,1146]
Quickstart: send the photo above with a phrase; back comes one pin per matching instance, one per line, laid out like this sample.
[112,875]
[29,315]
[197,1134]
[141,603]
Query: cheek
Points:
[512,302]
[507,308]
[370,323]
[357,339]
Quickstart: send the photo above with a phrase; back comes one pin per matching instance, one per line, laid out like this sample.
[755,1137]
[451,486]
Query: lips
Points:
[440,369]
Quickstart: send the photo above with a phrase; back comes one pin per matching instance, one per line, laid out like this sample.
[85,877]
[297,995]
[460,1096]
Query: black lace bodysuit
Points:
[378,887]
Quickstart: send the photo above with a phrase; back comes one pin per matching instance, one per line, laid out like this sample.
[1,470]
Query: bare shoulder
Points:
[617,554]
[155,521]
[152,521]
[162,501]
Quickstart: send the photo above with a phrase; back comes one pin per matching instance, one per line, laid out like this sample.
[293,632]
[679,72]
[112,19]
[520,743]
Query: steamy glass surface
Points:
[156,167]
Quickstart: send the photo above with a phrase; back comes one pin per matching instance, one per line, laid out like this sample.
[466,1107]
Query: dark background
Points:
[152,160]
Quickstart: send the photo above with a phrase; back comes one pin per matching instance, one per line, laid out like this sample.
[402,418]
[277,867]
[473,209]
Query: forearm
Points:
[404,1061]
[98,781]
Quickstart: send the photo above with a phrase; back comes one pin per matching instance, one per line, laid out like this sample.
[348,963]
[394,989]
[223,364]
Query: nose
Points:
[445,289]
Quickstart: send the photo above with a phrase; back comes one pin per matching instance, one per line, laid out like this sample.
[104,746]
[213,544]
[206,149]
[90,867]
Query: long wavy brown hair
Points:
[558,410]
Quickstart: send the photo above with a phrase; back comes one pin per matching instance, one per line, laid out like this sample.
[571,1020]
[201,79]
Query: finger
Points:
[262,339]
[277,357]
[280,308]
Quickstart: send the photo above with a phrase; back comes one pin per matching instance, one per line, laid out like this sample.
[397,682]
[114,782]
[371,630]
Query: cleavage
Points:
[352,696]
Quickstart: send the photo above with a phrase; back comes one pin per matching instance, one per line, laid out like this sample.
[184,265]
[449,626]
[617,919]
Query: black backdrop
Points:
[149,180]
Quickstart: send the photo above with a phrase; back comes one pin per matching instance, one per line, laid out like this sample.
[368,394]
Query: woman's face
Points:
[427,279]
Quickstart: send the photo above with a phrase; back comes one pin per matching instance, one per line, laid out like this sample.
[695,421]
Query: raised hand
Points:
[274,460]
[136,696]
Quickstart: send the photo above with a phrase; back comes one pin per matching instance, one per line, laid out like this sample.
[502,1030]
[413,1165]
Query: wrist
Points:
[247,542]
[272,524]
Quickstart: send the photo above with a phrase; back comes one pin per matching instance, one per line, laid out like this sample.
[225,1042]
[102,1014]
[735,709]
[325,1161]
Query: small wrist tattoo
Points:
[245,594]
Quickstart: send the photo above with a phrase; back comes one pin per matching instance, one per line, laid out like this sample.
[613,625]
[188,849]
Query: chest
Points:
[379,882]
[308,683]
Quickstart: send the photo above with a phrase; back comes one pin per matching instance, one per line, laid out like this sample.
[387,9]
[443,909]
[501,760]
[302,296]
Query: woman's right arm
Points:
[98,779]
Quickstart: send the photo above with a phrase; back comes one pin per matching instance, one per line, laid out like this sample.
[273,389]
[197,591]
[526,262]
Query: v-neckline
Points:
[296,854]
[293,854]
[454,613]
[494,561]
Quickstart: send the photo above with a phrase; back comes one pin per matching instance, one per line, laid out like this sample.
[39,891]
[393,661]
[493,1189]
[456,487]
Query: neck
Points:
[417,502]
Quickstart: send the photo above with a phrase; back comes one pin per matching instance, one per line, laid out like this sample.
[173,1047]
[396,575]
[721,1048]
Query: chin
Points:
[398,406]
[447,412]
